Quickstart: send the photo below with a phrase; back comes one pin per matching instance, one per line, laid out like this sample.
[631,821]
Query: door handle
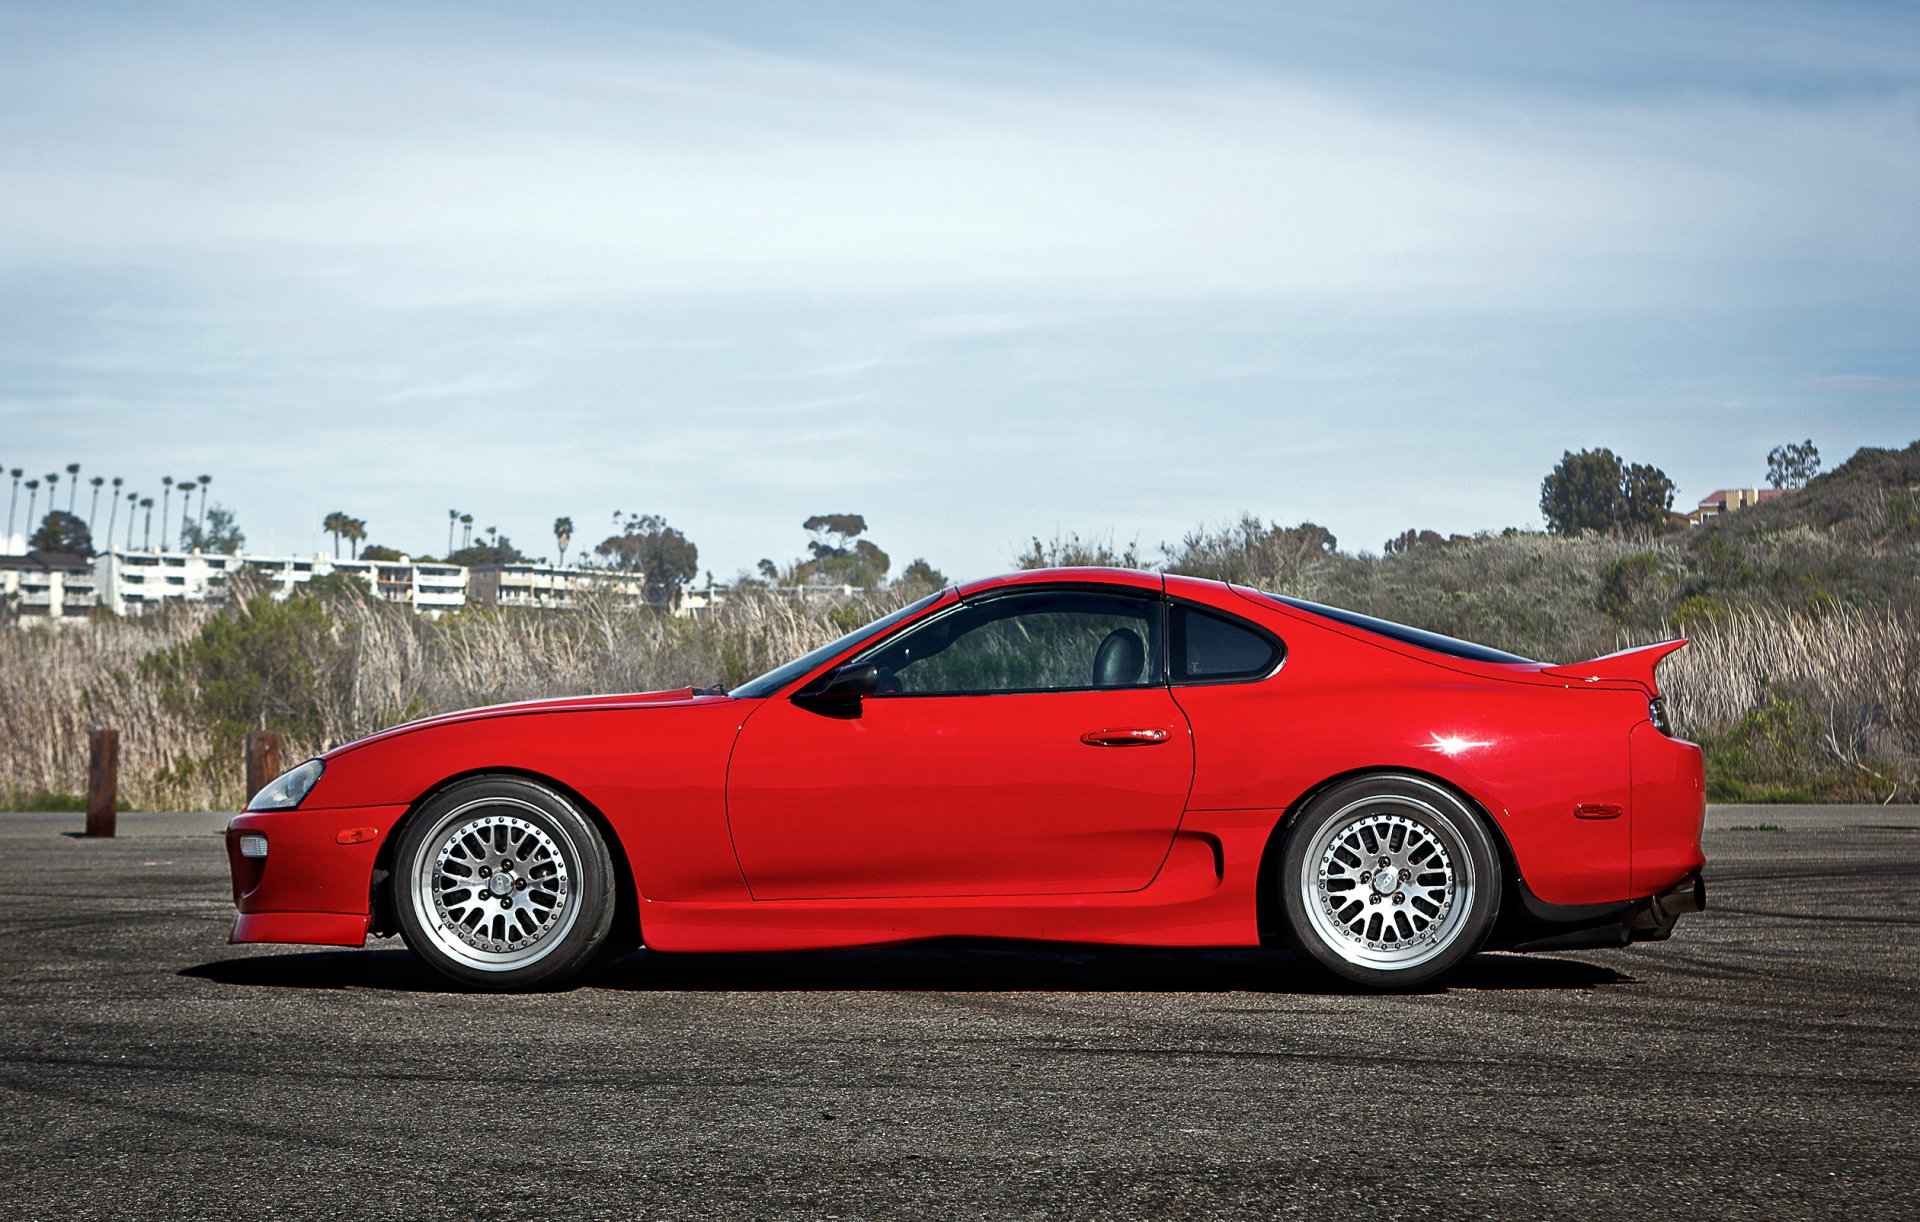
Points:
[1125,738]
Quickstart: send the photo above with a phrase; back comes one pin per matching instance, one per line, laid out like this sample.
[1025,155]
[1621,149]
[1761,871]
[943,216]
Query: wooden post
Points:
[263,760]
[103,781]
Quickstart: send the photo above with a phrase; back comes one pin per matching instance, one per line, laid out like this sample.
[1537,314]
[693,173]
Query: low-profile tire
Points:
[1409,922]
[500,884]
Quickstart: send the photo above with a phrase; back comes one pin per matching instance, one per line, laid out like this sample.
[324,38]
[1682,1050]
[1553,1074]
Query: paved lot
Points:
[1763,1063]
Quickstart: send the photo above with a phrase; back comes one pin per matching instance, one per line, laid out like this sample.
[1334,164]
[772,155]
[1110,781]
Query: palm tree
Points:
[12,501]
[453,517]
[33,498]
[186,509]
[114,516]
[335,525]
[73,483]
[146,536]
[466,531]
[93,511]
[166,494]
[355,530]
[53,491]
[133,503]
[493,537]
[204,481]
[563,535]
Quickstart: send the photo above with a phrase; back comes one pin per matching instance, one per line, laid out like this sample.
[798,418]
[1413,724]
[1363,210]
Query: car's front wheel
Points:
[1389,881]
[500,883]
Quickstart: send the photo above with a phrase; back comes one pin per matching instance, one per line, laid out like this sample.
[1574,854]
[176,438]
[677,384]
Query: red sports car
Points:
[1087,755]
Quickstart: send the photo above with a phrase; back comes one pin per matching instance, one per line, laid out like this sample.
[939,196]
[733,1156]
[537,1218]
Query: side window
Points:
[1211,648]
[1040,642]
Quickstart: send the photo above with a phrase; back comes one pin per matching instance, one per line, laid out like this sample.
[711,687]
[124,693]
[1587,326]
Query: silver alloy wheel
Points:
[493,884]
[1382,888]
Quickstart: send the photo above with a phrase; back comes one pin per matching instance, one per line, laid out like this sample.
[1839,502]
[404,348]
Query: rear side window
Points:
[1450,646]
[1209,648]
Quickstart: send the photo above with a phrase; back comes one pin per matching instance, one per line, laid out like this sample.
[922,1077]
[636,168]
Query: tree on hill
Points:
[497,550]
[665,558]
[838,556]
[1595,490]
[380,552]
[61,531]
[920,575]
[1409,539]
[215,532]
[1791,466]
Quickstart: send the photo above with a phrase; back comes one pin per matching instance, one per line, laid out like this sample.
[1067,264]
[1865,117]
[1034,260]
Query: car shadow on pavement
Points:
[948,966]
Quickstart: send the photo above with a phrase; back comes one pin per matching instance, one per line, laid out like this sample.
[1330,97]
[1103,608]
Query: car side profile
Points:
[1082,755]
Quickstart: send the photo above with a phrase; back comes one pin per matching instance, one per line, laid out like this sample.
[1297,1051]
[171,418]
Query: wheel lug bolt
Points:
[1406,876]
[505,902]
[1366,876]
[486,871]
[520,884]
[1385,862]
[1399,898]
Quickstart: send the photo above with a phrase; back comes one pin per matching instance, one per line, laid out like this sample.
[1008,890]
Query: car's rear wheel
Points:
[500,883]
[1389,881]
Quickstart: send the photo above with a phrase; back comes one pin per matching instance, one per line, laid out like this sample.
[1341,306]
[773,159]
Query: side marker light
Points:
[252,845]
[355,835]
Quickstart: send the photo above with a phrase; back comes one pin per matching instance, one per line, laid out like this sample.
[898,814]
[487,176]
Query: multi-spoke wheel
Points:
[500,883]
[1389,880]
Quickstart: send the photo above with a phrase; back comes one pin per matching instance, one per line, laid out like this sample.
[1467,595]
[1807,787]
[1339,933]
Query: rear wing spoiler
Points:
[1627,666]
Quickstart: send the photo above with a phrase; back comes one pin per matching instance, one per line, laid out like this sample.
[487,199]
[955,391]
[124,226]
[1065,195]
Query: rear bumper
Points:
[1542,926]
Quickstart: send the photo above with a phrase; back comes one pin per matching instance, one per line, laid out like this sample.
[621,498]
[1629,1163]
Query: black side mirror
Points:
[839,694]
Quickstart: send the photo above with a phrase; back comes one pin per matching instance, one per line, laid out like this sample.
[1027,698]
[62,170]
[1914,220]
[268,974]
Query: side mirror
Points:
[840,694]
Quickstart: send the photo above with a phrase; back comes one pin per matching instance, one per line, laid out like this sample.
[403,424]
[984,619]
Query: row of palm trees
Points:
[135,501]
[344,526]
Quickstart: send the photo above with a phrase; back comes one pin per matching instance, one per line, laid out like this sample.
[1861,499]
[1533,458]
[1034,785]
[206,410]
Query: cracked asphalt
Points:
[1762,1063]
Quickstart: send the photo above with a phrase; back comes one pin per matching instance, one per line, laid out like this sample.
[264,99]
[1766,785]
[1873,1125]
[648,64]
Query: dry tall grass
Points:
[382,665]
[1820,703]
[1802,703]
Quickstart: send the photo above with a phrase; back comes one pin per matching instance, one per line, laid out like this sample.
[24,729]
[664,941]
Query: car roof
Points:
[1134,579]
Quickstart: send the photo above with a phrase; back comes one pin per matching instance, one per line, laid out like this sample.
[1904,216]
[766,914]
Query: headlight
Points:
[289,789]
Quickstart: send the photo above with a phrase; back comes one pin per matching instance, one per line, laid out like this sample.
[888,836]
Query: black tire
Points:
[1415,921]
[500,884]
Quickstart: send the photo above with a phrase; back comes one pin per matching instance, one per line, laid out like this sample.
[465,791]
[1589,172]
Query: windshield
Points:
[774,680]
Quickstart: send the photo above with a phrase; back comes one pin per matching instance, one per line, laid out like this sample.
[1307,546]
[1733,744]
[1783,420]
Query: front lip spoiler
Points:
[1545,926]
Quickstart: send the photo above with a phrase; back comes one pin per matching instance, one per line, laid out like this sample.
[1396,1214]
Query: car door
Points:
[1023,744]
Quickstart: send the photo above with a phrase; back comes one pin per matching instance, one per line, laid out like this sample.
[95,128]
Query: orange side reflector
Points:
[356,835]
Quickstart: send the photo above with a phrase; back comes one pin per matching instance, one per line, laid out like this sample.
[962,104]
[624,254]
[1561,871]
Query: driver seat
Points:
[1119,660]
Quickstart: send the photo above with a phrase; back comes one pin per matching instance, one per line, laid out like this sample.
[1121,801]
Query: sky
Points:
[978,271]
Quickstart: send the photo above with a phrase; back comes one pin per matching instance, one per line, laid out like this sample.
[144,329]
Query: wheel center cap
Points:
[500,884]
[1386,882]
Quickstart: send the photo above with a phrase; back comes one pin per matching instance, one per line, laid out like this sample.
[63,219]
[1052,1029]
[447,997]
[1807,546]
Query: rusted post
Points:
[263,760]
[103,781]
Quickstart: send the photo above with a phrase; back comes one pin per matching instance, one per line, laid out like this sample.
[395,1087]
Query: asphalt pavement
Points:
[1763,1063]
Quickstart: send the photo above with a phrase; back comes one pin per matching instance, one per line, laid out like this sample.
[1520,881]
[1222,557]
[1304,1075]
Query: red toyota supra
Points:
[1084,755]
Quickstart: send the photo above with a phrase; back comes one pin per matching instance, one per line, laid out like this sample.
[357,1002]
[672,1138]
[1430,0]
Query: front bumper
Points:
[314,886]
[1542,926]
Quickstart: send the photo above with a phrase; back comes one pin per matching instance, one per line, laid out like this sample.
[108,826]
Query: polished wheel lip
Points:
[543,911]
[1432,885]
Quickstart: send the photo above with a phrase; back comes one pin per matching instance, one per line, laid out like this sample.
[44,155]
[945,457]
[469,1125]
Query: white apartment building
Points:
[127,582]
[130,582]
[47,585]
[545,585]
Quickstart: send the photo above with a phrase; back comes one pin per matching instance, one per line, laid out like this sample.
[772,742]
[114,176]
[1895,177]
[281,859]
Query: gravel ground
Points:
[1762,1063]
